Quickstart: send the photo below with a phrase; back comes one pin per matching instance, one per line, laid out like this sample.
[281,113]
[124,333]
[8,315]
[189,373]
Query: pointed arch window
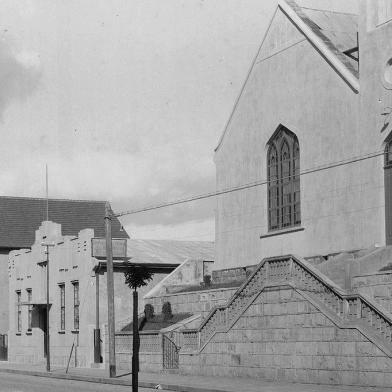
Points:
[284,206]
[388,153]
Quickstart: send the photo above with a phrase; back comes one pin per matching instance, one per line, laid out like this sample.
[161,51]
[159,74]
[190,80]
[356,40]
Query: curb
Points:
[107,380]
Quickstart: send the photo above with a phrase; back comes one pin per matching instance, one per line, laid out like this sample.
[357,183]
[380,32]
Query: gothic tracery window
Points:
[284,208]
[388,153]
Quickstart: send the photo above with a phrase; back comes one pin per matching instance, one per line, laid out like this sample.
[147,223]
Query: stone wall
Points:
[196,302]
[150,354]
[377,286]
[282,336]
[232,274]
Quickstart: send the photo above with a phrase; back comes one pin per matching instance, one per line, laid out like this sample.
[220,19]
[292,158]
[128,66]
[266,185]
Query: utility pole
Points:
[97,331]
[135,344]
[110,290]
[47,245]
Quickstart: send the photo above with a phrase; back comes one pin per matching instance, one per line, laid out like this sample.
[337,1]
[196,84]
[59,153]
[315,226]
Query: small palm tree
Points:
[136,277]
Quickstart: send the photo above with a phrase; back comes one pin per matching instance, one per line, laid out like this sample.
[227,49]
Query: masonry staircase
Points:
[353,311]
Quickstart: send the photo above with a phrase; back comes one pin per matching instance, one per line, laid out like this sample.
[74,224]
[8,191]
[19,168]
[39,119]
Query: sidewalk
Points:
[180,383]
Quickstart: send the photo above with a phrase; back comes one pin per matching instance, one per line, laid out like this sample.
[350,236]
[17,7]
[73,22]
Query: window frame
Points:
[29,293]
[62,306]
[283,181]
[388,153]
[76,304]
[18,311]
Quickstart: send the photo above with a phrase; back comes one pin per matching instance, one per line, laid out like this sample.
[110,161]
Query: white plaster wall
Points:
[4,293]
[343,207]
[69,260]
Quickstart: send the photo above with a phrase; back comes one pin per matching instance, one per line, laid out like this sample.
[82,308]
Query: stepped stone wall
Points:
[282,336]
[377,286]
[196,302]
[232,274]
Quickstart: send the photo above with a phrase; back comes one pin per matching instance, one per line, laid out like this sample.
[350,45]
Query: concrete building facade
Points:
[22,216]
[77,287]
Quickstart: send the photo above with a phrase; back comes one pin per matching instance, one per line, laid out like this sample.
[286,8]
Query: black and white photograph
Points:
[196,195]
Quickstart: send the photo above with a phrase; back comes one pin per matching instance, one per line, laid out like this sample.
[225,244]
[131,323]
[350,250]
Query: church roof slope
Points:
[21,217]
[339,30]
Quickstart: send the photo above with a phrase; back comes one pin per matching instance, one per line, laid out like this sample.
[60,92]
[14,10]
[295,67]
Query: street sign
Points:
[98,248]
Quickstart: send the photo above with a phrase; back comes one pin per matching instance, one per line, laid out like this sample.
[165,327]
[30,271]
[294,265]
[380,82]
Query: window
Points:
[388,153]
[62,306]
[19,311]
[29,309]
[284,208]
[76,304]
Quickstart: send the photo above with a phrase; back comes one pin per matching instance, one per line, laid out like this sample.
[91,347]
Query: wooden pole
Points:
[110,290]
[69,358]
[47,312]
[135,344]
[97,331]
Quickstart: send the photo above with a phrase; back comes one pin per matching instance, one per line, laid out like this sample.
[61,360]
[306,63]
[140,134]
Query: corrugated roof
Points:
[168,251]
[20,217]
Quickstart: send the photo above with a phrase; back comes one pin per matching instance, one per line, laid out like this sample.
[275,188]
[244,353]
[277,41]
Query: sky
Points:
[125,100]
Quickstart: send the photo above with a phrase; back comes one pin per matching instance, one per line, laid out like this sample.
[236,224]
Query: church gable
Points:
[332,35]
[280,35]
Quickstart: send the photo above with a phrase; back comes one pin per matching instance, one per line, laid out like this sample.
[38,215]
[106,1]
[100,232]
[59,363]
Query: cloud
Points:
[19,75]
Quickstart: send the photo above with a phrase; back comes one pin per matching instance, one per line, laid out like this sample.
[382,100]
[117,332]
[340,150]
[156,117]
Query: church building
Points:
[302,280]
[309,139]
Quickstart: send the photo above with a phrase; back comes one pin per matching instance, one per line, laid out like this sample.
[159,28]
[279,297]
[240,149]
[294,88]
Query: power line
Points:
[249,185]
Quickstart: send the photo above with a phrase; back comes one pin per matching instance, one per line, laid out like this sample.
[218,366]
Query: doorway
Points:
[42,325]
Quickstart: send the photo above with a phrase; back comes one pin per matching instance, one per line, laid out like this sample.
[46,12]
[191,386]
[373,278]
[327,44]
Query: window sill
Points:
[61,332]
[283,231]
[75,331]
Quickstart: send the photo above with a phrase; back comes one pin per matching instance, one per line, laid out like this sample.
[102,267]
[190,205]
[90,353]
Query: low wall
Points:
[196,302]
[232,274]
[150,352]
[282,336]
[377,286]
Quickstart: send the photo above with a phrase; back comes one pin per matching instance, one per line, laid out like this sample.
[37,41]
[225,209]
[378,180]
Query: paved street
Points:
[22,383]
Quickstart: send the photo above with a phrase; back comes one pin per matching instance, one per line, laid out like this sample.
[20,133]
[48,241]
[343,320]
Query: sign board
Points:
[119,247]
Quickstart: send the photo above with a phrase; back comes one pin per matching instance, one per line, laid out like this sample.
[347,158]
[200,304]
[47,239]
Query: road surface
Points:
[21,383]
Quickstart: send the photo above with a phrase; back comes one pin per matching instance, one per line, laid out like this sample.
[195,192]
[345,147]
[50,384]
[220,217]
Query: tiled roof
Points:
[337,29]
[20,217]
[168,251]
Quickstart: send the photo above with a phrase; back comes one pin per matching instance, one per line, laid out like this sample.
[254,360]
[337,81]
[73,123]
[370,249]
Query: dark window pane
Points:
[76,305]
[283,181]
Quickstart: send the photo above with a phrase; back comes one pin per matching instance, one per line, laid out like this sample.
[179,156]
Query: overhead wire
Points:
[248,185]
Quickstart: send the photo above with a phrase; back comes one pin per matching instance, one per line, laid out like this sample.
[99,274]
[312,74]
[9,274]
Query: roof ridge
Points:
[331,11]
[51,199]
[331,47]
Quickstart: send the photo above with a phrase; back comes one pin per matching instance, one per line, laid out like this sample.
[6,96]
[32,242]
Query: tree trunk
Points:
[135,344]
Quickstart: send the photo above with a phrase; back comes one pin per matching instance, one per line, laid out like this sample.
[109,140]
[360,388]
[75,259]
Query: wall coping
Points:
[373,274]
[194,292]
